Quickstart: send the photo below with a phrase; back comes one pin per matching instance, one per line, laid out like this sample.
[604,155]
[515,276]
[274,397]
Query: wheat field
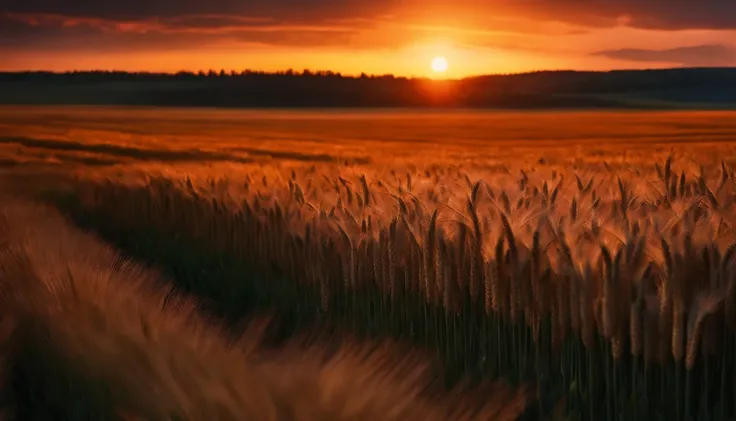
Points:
[589,255]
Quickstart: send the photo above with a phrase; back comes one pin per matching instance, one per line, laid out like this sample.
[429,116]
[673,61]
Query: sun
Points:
[439,64]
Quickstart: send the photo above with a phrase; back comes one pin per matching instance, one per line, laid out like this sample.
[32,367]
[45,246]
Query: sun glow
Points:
[439,64]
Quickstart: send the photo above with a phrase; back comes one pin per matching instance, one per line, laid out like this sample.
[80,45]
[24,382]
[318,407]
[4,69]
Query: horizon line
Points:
[331,73]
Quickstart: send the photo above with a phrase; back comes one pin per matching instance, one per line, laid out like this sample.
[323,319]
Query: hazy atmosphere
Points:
[374,36]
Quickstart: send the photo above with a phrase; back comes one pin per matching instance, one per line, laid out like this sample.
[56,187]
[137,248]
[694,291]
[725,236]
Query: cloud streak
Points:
[645,14]
[698,55]
[191,31]
[197,24]
[285,10]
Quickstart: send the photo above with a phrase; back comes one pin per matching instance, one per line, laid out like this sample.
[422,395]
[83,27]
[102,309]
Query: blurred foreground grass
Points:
[88,335]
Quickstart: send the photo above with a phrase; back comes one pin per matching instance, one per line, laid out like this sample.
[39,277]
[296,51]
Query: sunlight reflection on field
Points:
[217,141]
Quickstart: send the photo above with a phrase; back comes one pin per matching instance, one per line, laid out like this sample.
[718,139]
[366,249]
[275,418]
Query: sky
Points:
[400,37]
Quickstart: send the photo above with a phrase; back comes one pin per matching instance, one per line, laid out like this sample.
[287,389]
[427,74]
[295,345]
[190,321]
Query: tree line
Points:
[306,88]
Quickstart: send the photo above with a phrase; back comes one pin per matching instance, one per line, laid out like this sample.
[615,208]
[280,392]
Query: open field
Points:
[589,254]
[100,136]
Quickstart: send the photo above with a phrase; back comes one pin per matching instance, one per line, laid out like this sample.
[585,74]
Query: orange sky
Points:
[372,36]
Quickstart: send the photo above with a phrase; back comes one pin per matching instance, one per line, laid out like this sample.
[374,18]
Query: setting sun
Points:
[439,64]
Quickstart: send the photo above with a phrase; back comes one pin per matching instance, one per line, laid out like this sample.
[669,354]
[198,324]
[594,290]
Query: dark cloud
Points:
[656,14]
[150,24]
[58,32]
[644,14]
[649,14]
[699,55]
[291,10]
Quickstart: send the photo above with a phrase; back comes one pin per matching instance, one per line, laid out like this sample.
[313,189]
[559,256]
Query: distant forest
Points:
[669,88]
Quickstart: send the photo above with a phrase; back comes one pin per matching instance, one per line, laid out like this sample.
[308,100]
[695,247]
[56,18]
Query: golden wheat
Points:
[622,257]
